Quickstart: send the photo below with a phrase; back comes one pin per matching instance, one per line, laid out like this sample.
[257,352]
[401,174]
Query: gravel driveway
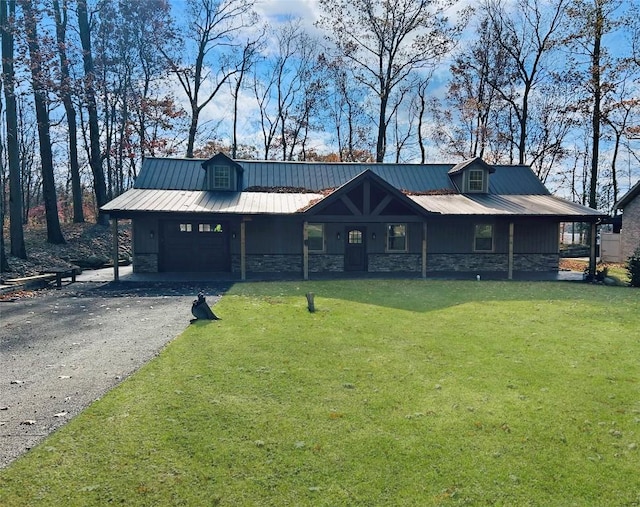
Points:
[65,348]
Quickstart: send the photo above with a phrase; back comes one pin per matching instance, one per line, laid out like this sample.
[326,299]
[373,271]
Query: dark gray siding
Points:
[534,236]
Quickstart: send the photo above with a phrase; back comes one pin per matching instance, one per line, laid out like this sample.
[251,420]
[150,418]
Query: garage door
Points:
[189,246]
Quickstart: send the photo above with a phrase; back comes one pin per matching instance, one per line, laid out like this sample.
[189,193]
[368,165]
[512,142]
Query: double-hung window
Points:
[476,180]
[315,237]
[221,178]
[397,237]
[483,238]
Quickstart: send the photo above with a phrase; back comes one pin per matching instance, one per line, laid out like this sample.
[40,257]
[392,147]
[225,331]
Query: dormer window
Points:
[222,173]
[221,178]
[476,180]
[471,176]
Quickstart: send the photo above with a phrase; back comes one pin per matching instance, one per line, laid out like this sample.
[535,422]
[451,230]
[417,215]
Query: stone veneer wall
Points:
[536,262]
[273,263]
[630,228]
[320,263]
[467,262]
[492,262]
[389,263]
[145,263]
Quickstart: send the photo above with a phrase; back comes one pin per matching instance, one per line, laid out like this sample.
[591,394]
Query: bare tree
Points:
[526,34]
[345,109]
[95,154]
[592,20]
[249,56]
[4,264]
[213,26]
[16,231]
[54,232]
[65,91]
[468,123]
[285,89]
[385,42]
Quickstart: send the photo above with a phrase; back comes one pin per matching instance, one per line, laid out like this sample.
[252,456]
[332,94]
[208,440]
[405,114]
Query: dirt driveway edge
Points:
[62,349]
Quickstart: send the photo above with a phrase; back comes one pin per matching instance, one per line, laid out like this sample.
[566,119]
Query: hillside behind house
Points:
[88,246]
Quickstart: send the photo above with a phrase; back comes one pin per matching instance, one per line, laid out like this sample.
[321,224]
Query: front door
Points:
[355,249]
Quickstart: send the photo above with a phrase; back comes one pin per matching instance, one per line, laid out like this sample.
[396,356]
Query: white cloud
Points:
[278,10]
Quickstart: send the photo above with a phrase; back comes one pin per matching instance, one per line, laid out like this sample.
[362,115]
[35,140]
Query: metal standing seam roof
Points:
[516,205]
[633,192]
[175,185]
[201,201]
[188,174]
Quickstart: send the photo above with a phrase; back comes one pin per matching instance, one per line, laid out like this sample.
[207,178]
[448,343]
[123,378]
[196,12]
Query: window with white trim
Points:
[397,237]
[315,237]
[476,180]
[220,177]
[483,238]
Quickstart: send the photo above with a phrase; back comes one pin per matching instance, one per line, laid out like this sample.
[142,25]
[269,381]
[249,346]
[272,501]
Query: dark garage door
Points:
[189,246]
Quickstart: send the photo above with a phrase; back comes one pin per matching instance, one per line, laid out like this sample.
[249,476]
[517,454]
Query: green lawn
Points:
[391,393]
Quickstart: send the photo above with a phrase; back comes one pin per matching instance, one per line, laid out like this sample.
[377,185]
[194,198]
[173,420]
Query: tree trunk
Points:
[16,232]
[95,157]
[193,129]
[381,146]
[597,99]
[4,265]
[54,233]
[65,94]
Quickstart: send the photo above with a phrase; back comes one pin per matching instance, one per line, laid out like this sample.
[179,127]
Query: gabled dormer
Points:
[222,174]
[472,176]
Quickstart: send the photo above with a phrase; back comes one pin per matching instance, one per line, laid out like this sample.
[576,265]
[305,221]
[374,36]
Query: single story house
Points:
[251,218]
[629,204]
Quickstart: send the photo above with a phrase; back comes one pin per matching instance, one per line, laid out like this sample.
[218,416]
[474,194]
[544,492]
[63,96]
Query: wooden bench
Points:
[61,274]
[28,281]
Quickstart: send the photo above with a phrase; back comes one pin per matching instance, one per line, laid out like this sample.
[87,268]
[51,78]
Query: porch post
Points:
[305,250]
[424,249]
[592,249]
[510,261]
[116,264]
[243,251]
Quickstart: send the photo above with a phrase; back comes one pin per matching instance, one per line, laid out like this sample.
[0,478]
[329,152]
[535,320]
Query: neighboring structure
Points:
[629,204]
[300,219]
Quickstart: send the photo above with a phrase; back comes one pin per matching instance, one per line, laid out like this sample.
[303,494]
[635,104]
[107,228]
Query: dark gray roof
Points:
[188,174]
[176,185]
[629,196]
[201,201]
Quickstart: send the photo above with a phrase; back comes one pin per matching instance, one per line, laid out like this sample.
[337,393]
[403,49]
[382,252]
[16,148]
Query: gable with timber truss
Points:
[367,196]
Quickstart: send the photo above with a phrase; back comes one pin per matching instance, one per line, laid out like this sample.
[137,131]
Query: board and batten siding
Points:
[453,235]
[270,235]
[536,237]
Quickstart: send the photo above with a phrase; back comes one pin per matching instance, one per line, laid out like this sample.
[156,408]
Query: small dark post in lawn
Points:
[310,303]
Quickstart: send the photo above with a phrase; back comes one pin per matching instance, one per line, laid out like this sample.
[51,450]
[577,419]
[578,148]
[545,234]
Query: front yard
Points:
[391,393]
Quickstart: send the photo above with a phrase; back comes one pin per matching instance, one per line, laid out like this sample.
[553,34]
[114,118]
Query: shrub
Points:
[633,267]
